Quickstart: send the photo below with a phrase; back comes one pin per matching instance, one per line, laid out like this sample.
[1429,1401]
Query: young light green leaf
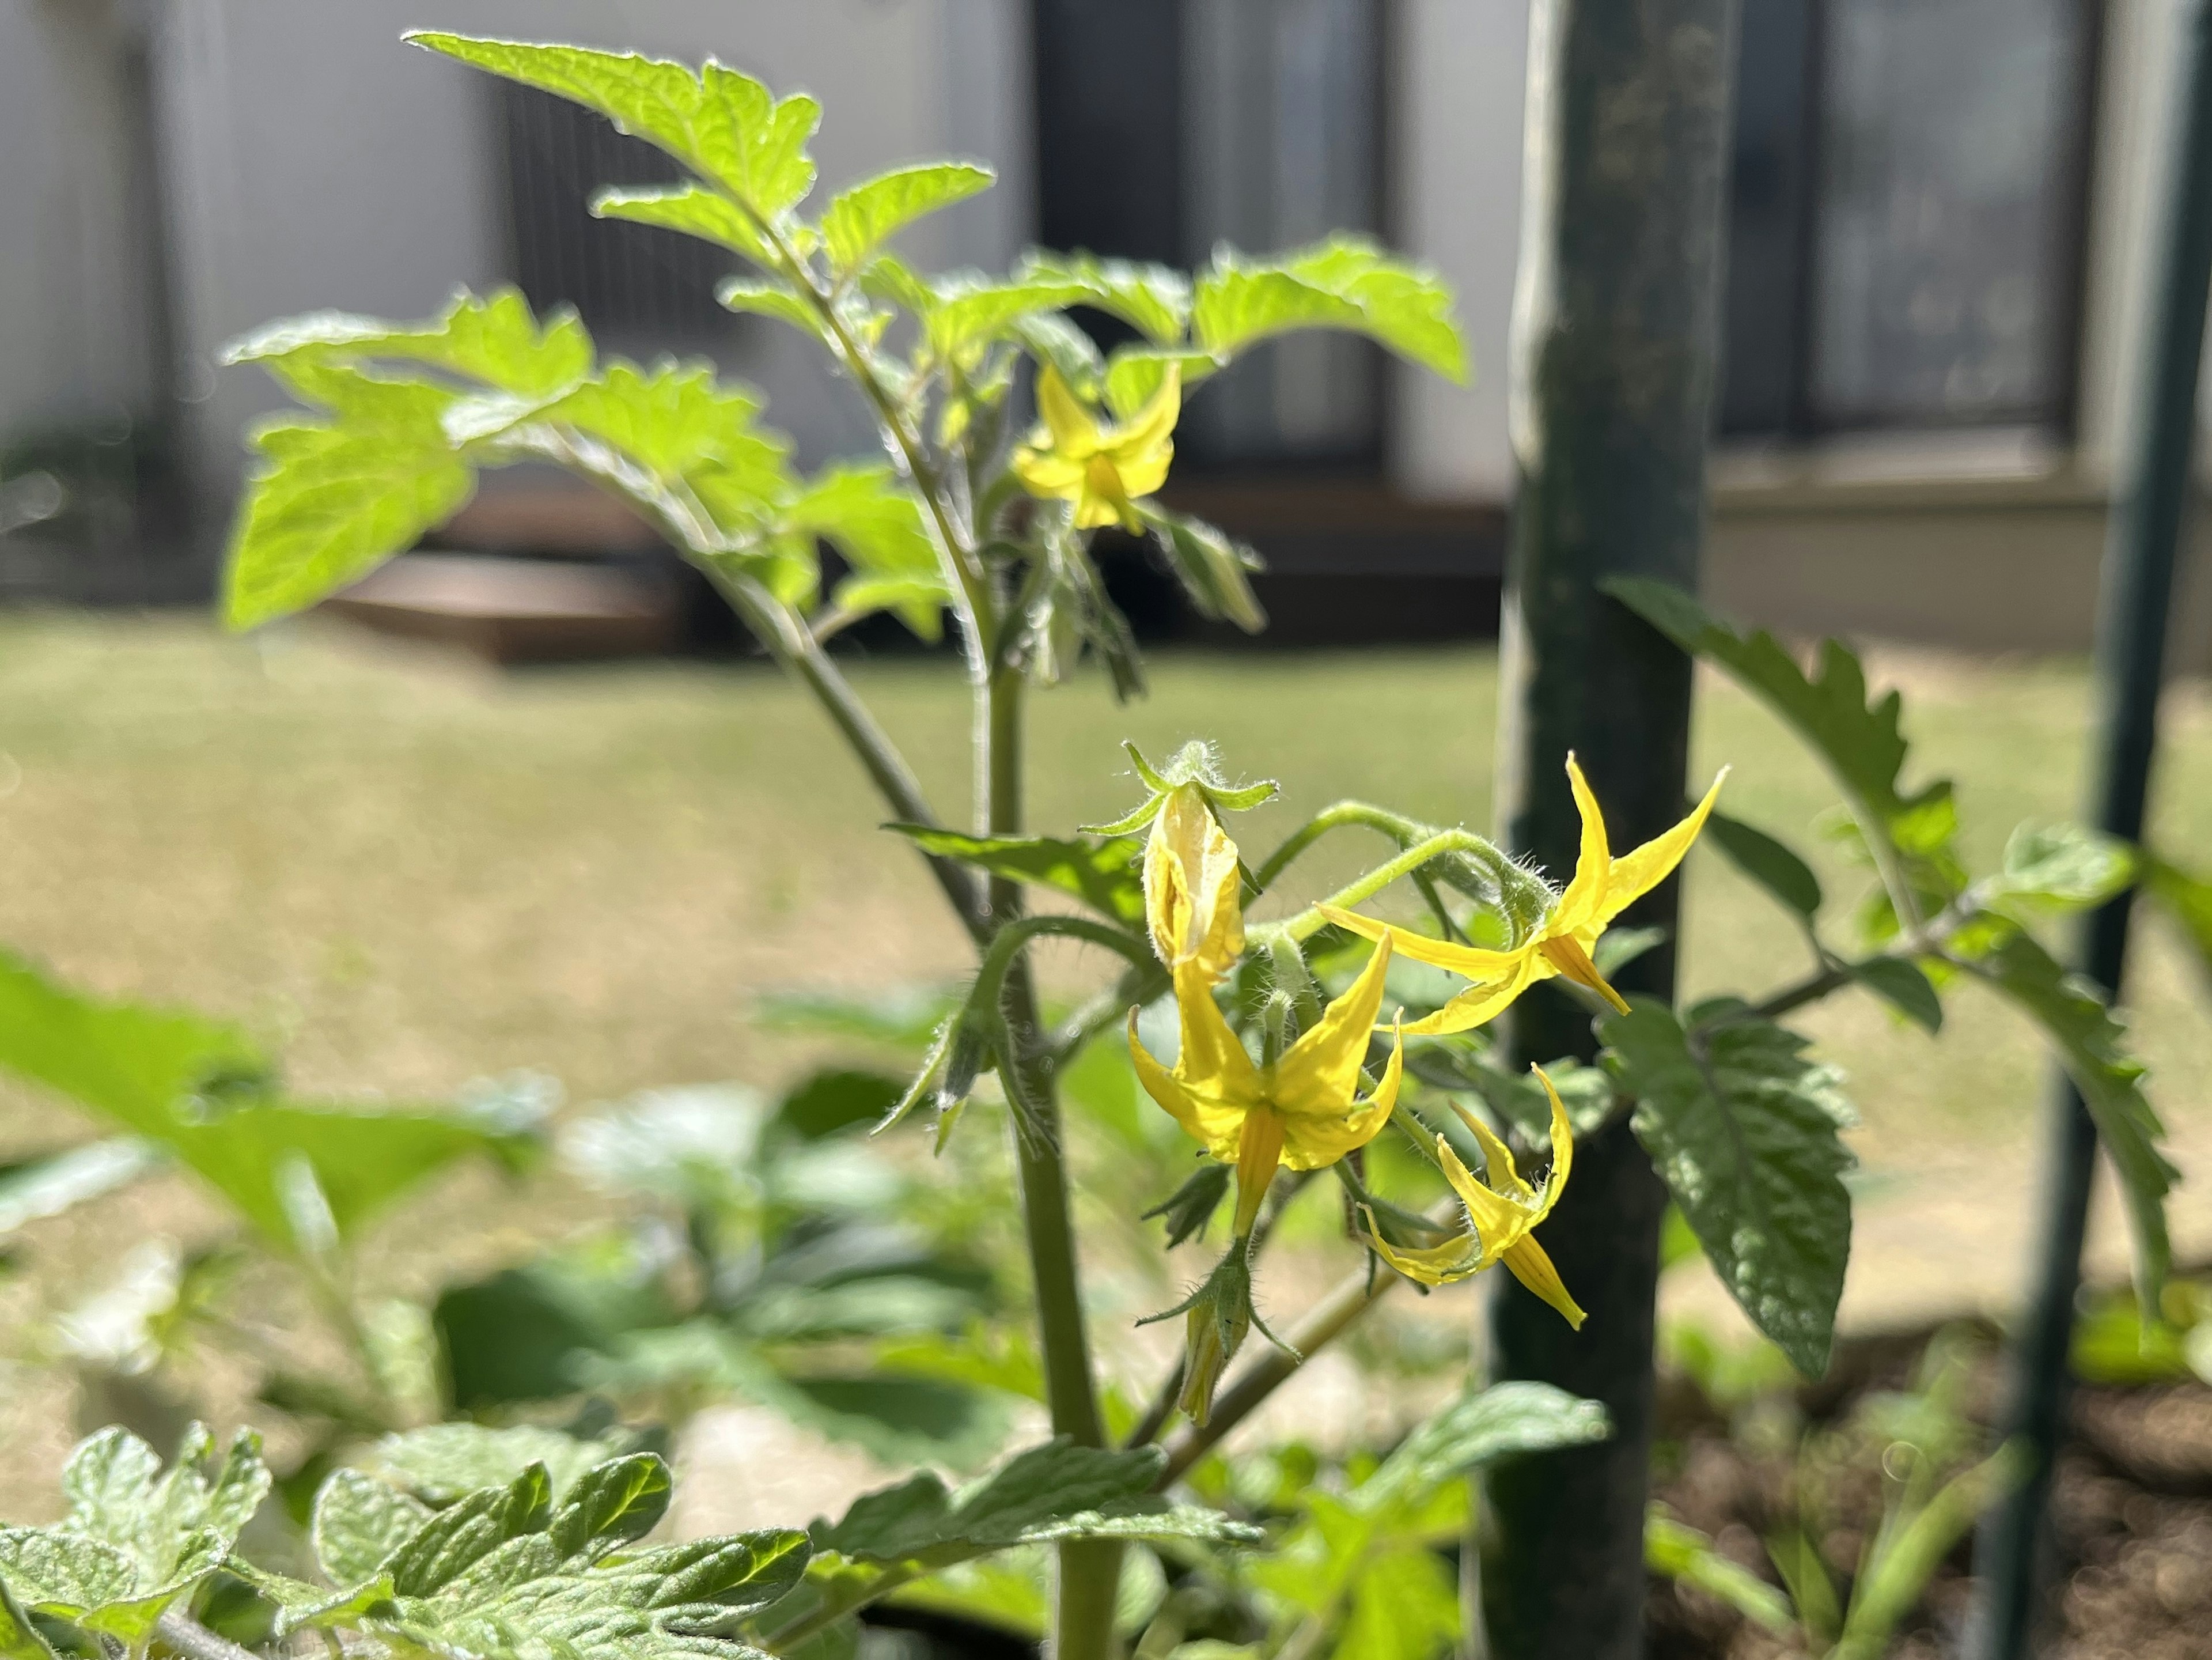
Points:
[329,503]
[1406,308]
[725,127]
[859,220]
[37,1189]
[874,522]
[1135,374]
[1901,1565]
[1682,1553]
[968,311]
[1155,300]
[1103,874]
[1055,342]
[1403,1603]
[1744,1128]
[1767,862]
[1345,283]
[1905,987]
[2062,868]
[359,1522]
[1210,564]
[495,340]
[765,296]
[2186,899]
[691,211]
[2091,1043]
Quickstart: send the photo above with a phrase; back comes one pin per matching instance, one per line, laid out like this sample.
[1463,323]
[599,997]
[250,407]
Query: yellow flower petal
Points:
[1314,1143]
[1259,1150]
[1479,1003]
[1213,1061]
[1043,472]
[1471,962]
[1457,1258]
[1593,865]
[1563,1147]
[1148,429]
[1528,1263]
[1635,874]
[1319,1073]
[1499,1171]
[1074,431]
[1193,887]
[1570,959]
[1216,1124]
[1143,474]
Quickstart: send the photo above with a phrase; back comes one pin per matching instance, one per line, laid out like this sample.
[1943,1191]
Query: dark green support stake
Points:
[2149,508]
[1613,386]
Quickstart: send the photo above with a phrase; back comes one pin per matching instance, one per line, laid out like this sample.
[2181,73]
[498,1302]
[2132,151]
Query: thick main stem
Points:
[1614,350]
[1089,1572]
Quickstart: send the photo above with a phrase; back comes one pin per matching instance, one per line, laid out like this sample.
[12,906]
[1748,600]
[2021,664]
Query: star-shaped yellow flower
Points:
[1603,887]
[1193,887]
[1100,466]
[1501,1215]
[1303,1111]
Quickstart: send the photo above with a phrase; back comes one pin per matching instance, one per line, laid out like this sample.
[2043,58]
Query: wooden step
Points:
[514,611]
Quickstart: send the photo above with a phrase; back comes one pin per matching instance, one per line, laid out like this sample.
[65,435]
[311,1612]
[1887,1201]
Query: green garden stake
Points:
[2147,512]
[1612,388]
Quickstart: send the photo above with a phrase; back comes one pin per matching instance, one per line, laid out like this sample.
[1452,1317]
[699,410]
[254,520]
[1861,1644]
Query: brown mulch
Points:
[2132,1512]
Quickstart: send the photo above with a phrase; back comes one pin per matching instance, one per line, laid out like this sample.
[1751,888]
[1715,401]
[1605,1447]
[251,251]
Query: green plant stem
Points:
[784,1638]
[188,1637]
[1309,922]
[1089,1571]
[1342,815]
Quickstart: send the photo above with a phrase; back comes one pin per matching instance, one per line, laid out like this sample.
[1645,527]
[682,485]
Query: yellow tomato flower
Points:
[1100,466]
[1193,895]
[1303,1111]
[1501,1215]
[1603,887]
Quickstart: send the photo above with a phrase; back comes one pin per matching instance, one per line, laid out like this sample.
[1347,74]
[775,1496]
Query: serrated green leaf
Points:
[1210,565]
[1344,282]
[358,1523]
[53,1571]
[455,1539]
[2091,1043]
[441,1463]
[495,340]
[2062,868]
[1404,1606]
[1103,874]
[967,310]
[725,127]
[1904,987]
[1155,300]
[833,1101]
[36,1188]
[1479,1429]
[1744,1128]
[1052,1492]
[692,210]
[1768,862]
[767,297]
[2186,899]
[327,504]
[875,523]
[859,220]
[1860,741]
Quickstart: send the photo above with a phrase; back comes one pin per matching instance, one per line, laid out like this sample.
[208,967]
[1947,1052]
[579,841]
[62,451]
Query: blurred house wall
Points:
[317,161]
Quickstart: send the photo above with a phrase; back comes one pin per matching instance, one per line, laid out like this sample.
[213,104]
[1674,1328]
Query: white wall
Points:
[316,161]
[1457,100]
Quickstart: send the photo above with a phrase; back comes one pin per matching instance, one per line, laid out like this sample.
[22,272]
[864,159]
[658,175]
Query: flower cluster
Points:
[1304,1102]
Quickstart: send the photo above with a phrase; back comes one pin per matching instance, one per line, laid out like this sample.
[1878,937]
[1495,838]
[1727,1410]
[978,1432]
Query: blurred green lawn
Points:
[410,872]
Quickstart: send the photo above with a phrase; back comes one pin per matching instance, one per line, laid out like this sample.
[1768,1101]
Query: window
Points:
[1165,126]
[638,286]
[1906,225]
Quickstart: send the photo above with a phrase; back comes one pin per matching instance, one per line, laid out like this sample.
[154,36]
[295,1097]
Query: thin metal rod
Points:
[2151,504]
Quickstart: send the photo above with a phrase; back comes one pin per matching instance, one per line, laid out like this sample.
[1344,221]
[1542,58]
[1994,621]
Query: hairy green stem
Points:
[187,1637]
[1090,1571]
[1309,922]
